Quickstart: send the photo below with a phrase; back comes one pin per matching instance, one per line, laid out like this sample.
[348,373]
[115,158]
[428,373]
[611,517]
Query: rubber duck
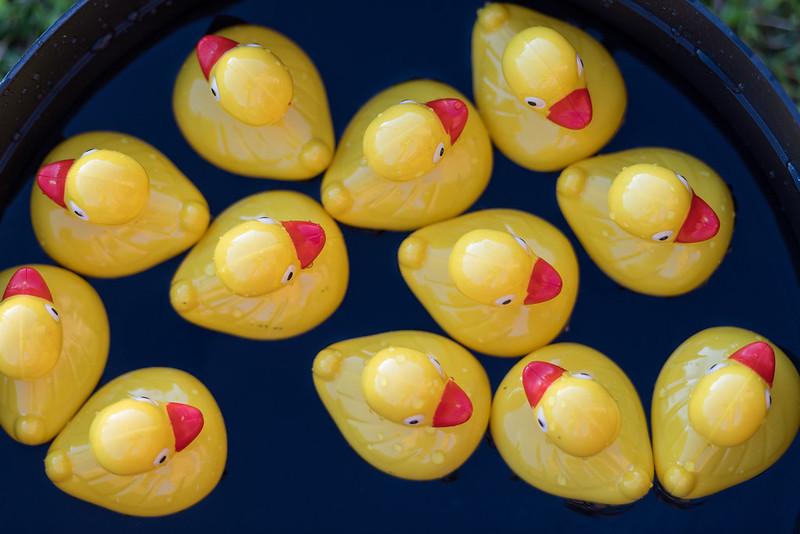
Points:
[108,205]
[151,442]
[271,266]
[725,408]
[502,282]
[251,102]
[655,220]
[568,421]
[550,93]
[412,404]
[53,348]
[414,154]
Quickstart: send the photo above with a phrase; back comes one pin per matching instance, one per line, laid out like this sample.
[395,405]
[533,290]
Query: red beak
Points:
[27,281]
[454,408]
[545,283]
[701,223]
[574,111]
[759,357]
[453,113]
[308,239]
[537,377]
[187,422]
[210,48]
[52,178]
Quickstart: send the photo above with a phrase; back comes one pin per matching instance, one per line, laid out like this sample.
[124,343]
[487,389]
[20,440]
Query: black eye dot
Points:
[413,422]
[289,276]
[541,423]
[162,459]
[441,152]
[507,301]
[213,92]
[663,238]
[55,312]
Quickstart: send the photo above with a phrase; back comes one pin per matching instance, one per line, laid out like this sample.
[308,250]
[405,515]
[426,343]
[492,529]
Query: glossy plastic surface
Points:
[535,441]
[174,218]
[417,449]
[688,464]
[495,319]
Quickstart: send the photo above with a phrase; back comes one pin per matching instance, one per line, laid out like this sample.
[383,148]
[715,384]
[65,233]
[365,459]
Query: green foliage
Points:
[21,22]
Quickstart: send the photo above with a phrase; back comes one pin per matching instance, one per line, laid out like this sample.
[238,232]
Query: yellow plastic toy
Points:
[550,93]
[250,101]
[415,154]
[502,282]
[272,266]
[657,221]
[110,205]
[726,406]
[151,442]
[568,421]
[413,404]
[53,349]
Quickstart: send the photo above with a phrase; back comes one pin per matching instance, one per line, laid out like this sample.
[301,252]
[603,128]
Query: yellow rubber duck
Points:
[726,406]
[501,282]
[414,154]
[151,442]
[250,101]
[109,205]
[550,93]
[568,421]
[271,266]
[656,220]
[413,404]
[53,348]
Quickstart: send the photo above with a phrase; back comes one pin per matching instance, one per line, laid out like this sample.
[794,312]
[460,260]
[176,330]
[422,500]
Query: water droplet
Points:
[437,457]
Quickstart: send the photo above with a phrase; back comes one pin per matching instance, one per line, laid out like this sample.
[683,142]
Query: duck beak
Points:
[701,223]
[759,357]
[187,422]
[545,283]
[210,48]
[308,239]
[574,111]
[52,179]
[27,281]
[453,113]
[454,408]
[537,377]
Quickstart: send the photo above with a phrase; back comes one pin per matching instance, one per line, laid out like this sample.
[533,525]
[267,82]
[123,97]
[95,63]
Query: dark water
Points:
[289,468]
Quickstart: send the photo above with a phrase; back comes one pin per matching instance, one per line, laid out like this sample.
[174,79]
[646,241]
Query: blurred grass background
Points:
[770,27]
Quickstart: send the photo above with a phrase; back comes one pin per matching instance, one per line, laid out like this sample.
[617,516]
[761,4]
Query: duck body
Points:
[568,421]
[162,212]
[491,306]
[53,347]
[550,93]
[638,262]
[387,175]
[418,413]
[726,406]
[258,274]
[295,138]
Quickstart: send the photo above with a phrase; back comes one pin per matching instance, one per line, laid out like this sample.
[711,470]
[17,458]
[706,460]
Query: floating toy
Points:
[414,405]
[250,101]
[726,406]
[655,220]
[53,349]
[502,282]
[568,421]
[550,93]
[110,205]
[415,154]
[271,266]
[151,442]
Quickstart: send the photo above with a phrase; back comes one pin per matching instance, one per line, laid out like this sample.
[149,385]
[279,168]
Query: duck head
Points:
[248,81]
[101,186]
[30,327]
[408,139]
[408,387]
[260,256]
[499,269]
[728,405]
[545,73]
[575,411]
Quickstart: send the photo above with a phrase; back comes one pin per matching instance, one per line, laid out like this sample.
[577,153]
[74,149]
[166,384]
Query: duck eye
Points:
[161,457]
[504,300]
[89,152]
[52,311]
[580,65]
[714,367]
[683,181]
[439,153]
[253,45]
[583,376]
[79,213]
[288,275]
[266,220]
[408,101]
[437,365]
[414,420]
[522,242]
[662,236]
[541,420]
[534,102]
[768,396]
[214,88]
[143,398]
